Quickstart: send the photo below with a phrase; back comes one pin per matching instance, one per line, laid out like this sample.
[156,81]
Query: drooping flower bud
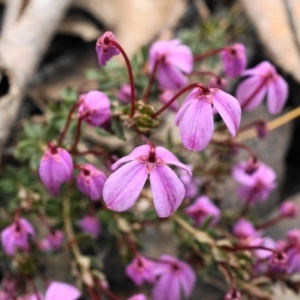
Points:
[90,181]
[124,94]
[289,209]
[234,59]
[243,229]
[293,237]
[17,236]
[53,241]
[105,49]
[278,261]
[56,167]
[90,225]
[94,108]
[218,83]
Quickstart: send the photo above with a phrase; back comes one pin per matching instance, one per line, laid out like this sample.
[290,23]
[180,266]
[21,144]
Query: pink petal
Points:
[261,69]
[123,187]
[229,109]
[239,174]
[167,190]
[247,88]
[138,151]
[181,112]
[169,77]
[277,95]
[169,158]
[62,291]
[167,288]
[188,279]
[197,125]
[182,58]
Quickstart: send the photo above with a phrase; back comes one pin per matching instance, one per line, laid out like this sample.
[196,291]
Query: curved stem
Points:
[250,248]
[130,74]
[270,222]
[63,133]
[243,146]
[150,82]
[179,93]
[78,129]
[229,275]
[208,54]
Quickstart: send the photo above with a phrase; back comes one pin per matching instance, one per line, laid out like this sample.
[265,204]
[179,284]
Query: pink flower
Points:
[263,80]
[289,209]
[138,297]
[124,94]
[59,291]
[256,184]
[105,49]
[195,117]
[94,108]
[202,209]
[243,229]
[17,236]
[174,276]
[123,187]
[166,96]
[264,242]
[218,83]
[90,225]
[56,167]
[90,181]
[53,241]
[140,270]
[234,59]
[173,59]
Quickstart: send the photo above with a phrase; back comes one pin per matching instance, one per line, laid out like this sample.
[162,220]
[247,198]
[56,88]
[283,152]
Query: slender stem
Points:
[63,133]
[35,291]
[93,294]
[250,248]
[229,274]
[130,74]
[251,125]
[208,54]
[254,93]
[150,82]
[205,73]
[108,293]
[203,88]
[291,115]
[243,146]
[270,222]
[78,129]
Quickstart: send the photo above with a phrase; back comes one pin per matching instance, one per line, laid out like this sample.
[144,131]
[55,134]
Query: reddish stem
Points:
[250,248]
[245,147]
[35,291]
[108,293]
[93,294]
[151,80]
[229,274]
[254,93]
[252,124]
[78,129]
[179,93]
[270,223]
[130,74]
[63,133]
[208,54]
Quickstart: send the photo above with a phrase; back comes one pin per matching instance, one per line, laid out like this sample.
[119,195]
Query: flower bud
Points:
[217,82]
[278,261]
[90,181]
[289,209]
[105,49]
[53,241]
[94,108]
[293,237]
[90,225]
[56,167]
[124,94]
